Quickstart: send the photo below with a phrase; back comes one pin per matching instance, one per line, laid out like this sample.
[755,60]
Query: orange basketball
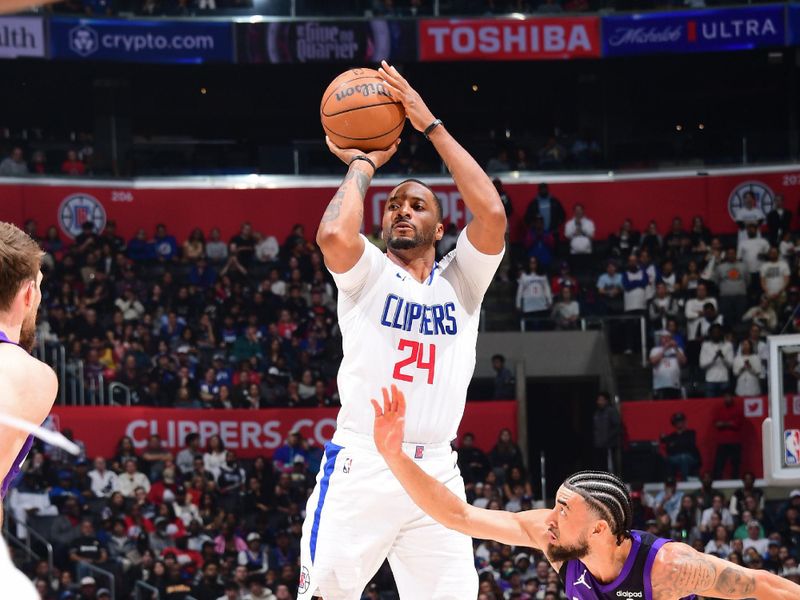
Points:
[358,111]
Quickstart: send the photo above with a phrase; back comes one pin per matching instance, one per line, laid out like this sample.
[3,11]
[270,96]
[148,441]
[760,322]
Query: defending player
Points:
[586,536]
[28,386]
[407,318]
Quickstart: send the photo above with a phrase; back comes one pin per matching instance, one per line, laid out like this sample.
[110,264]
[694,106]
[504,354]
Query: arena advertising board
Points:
[154,41]
[351,42]
[717,197]
[22,36]
[794,24]
[250,433]
[648,420]
[706,30]
[541,38]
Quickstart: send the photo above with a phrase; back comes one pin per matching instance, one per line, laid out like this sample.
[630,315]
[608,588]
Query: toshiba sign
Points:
[509,39]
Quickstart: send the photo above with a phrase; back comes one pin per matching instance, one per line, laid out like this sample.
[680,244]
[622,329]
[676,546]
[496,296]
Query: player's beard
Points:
[556,553]
[27,334]
[408,243]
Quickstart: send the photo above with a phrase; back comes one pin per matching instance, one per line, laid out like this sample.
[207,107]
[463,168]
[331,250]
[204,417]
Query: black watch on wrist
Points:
[430,128]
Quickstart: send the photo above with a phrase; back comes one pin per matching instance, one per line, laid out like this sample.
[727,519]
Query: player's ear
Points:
[439,231]
[28,292]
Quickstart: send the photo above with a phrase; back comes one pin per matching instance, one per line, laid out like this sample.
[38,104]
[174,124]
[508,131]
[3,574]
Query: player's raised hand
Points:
[390,422]
[379,157]
[416,110]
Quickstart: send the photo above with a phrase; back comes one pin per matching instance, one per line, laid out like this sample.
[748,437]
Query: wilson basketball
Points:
[358,111]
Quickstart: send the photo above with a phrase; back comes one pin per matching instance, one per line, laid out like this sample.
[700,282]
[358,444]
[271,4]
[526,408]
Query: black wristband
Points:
[365,159]
[430,128]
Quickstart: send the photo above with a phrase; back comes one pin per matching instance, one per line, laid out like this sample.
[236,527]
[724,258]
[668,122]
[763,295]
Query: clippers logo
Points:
[77,209]
[582,581]
[765,198]
[305,581]
[621,594]
[83,40]
[348,464]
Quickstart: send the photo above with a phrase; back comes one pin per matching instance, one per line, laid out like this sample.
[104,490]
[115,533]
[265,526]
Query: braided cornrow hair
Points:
[607,494]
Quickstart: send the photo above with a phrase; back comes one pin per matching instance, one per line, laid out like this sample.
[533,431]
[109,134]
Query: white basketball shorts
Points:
[359,514]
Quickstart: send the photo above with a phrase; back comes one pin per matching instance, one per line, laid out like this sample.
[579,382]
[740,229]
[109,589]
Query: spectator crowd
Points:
[708,301]
[204,524]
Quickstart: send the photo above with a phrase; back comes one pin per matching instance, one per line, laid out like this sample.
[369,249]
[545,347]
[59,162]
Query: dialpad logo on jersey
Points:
[765,198]
[438,319]
[305,581]
[83,40]
[77,209]
[626,594]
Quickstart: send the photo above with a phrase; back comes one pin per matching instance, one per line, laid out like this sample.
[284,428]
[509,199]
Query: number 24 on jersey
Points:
[416,352]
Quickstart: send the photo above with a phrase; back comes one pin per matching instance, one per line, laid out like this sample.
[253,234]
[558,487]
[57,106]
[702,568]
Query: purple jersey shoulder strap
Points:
[26,447]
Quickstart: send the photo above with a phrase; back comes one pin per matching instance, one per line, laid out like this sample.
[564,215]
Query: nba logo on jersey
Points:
[348,463]
[419,451]
[791,439]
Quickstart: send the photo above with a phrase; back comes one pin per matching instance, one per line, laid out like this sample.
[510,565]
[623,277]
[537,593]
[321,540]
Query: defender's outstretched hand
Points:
[416,110]
[379,157]
[390,422]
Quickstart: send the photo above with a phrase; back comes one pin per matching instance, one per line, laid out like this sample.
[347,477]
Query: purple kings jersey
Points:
[632,583]
[26,447]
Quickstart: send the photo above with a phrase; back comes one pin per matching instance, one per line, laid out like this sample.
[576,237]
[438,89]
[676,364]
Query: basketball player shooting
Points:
[586,537]
[404,317]
[28,386]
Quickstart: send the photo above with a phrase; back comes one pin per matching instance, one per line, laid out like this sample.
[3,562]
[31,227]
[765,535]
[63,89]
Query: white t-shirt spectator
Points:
[761,545]
[718,549]
[636,297]
[694,312]
[213,461]
[727,518]
[750,215]
[747,381]
[667,372]
[127,483]
[750,252]
[103,484]
[216,251]
[267,249]
[132,310]
[774,275]
[715,366]
[278,288]
[580,236]
[703,325]
[533,293]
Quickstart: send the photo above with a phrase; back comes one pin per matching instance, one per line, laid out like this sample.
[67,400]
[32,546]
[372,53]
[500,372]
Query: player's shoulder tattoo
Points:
[679,571]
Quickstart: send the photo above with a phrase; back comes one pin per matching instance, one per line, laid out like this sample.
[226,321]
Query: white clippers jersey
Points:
[419,336]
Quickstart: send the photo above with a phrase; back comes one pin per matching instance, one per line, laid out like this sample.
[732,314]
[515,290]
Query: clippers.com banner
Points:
[274,211]
[646,421]
[509,39]
[250,433]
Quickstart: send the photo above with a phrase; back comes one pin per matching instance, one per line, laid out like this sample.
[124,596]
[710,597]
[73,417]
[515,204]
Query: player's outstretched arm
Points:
[679,570]
[518,529]
[338,233]
[487,230]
